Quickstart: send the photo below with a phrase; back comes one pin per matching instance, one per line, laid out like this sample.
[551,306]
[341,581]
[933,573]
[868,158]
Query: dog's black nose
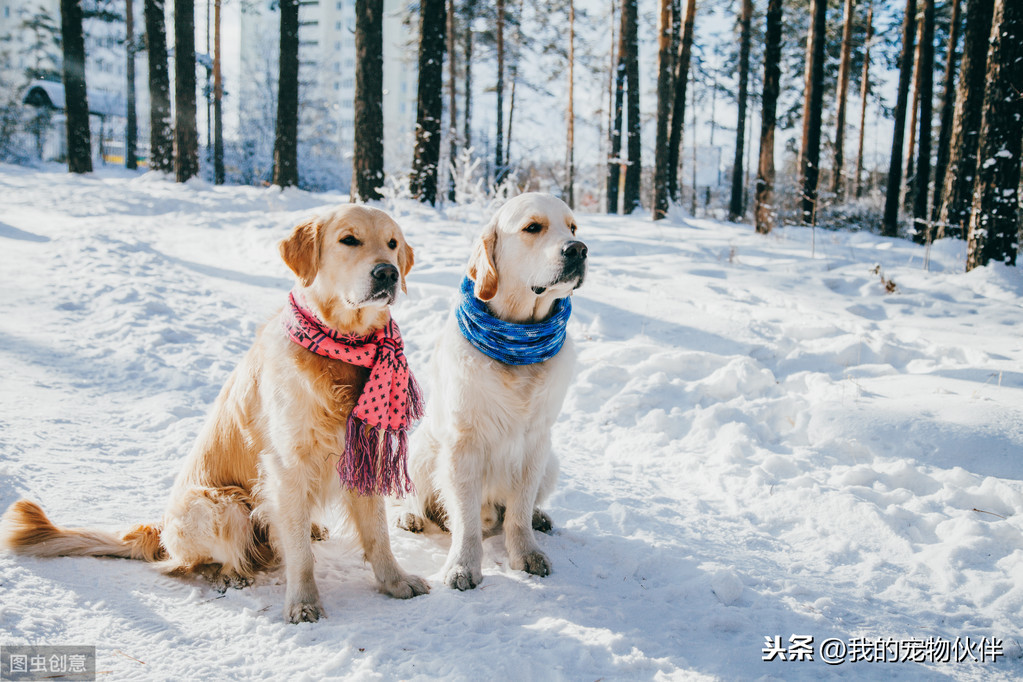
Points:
[574,251]
[385,274]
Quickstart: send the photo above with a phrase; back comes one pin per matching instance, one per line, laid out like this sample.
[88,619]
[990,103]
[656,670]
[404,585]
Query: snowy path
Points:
[757,443]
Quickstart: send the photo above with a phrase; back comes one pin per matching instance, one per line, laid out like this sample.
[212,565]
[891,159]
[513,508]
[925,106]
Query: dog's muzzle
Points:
[573,263]
[384,281]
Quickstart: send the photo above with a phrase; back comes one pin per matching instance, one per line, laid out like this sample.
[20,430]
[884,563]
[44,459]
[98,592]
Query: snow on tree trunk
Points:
[994,222]
[161,142]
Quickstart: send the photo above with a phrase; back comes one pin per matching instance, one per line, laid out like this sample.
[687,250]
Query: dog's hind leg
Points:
[209,531]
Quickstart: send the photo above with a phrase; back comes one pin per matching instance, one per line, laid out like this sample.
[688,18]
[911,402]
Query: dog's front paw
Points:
[462,578]
[535,562]
[406,587]
[411,522]
[303,612]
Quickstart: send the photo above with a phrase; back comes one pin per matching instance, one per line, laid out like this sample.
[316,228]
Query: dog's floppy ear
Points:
[482,270]
[406,259]
[301,251]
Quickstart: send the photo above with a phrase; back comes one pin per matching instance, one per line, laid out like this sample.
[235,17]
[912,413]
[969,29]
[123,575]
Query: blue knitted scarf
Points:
[509,342]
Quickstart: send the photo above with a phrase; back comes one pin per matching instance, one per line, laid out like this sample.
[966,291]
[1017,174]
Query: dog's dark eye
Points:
[393,244]
[533,228]
[572,227]
[350,240]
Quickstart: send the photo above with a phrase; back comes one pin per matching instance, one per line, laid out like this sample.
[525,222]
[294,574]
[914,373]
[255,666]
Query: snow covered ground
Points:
[760,441]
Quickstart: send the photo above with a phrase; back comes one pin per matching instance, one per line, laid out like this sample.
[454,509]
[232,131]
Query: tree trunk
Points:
[614,167]
[470,13]
[957,193]
[813,110]
[630,198]
[79,139]
[368,157]
[570,116]
[429,111]
[911,147]
[838,176]
[678,110]
[765,212]
[452,100]
[286,137]
[920,187]
[186,136]
[161,143]
[864,91]
[890,222]
[948,99]
[131,125]
[994,222]
[499,145]
[735,207]
[664,97]
[218,101]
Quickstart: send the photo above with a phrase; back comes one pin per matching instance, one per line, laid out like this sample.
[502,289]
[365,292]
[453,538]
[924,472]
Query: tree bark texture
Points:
[570,114]
[186,136]
[614,167]
[678,109]
[218,100]
[994,221]
[765,210]
[890,221]
[630,192]
[470,14]
[911,147]
[957,193]
[452,99]
[131,132]
[368,156]
[920,187]
[838,176]
[429,110]
[161,141]
[864,89]
[735,207]
[499,143]
[813,110]
[664,98]
[286,136]
[76,103]
[948,99]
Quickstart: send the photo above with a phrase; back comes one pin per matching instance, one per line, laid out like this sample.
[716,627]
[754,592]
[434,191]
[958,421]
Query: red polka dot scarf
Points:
[376,438]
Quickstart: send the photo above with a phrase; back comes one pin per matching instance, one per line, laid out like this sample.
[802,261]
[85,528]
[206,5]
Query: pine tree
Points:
[79,141]
[630,198]
[864,91]
[368,157]
[772,76]
[922,178]
[286,136]
[678,109]
[161,141]
[994,221]
[948,99]
[423,182]
[838,176]
[186,136]
[890,222]
[131,124]
[813,110]
[735,208]
[218,101]
[957,193]
[664,100]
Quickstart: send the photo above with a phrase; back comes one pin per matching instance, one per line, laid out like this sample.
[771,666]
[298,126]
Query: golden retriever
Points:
[482,457]
[264,462]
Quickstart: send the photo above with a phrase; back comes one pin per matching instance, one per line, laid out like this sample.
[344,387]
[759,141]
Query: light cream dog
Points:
[265,461]
[482,457]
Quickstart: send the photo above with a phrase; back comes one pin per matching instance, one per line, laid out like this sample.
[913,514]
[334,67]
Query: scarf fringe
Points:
[375,461]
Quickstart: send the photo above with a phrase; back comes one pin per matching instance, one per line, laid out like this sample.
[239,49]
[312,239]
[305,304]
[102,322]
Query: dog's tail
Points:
[25,529]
